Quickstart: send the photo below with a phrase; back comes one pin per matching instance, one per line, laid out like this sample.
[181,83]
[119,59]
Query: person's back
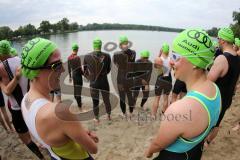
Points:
[228,82]
[97,66]
[225,72]
[75,65]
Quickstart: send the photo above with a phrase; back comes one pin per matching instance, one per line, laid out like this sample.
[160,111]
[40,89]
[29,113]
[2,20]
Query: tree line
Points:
[235,26]
[45,28]
[64,26]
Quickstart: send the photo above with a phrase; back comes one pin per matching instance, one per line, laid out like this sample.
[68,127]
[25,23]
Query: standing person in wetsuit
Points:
[75,74]
[123,60]
[52,124]
[225,73]
[142,77]
[181,135]
[97,66]
[15,86]
[163,84]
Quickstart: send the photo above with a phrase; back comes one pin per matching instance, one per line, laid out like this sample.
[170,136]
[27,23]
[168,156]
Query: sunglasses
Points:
[55,66]
[175,56]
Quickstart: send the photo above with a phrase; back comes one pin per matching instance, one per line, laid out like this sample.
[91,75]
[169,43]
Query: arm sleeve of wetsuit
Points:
[85,67]
[134,56]
[108,64]
[149,72]
[69,69]
[80,65]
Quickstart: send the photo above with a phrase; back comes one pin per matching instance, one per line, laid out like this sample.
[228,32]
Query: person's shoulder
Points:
[106,54]
[132,50]
[117,53]
[221,59]
[57,112]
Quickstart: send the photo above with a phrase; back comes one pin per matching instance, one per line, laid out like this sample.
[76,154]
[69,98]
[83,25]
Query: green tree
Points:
[45,27]
[236,27]
[73,26]
[213,32]
[29,30]
[5,33]
[63,24]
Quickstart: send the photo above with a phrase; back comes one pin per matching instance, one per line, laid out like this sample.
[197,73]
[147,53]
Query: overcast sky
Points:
[169,13]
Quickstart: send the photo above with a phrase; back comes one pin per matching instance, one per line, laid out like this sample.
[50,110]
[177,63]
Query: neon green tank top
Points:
[71,150]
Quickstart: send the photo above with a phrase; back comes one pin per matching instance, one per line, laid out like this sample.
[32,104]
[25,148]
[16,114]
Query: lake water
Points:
[141,40]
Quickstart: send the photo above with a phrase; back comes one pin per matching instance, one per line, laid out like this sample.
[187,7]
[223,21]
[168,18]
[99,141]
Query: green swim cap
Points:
[196,45]
[123,39]
[75,47]
[165,48]
[13,52]
[226,34]
[35,54]
[97,43]
[5,47]
[237,42]
[145,54]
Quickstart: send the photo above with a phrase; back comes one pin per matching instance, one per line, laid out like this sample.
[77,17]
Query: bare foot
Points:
[96,121]
[109,118]
[237,127]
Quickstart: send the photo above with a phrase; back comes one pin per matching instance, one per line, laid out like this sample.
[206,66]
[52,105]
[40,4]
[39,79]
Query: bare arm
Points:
[69,69]
[168,132]
[75,131]
[219,68]
[9,88]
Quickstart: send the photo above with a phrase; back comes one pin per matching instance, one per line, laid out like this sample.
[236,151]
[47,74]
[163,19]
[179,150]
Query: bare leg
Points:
[58,98]
[26,139]
[5,116]
[51,97]
[174,97]
[182,94]
[155,106]
[165,102]
[2,123]
[237,127]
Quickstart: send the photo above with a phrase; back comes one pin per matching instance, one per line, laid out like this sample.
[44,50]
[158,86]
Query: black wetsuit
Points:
[218,52]
[143,72]
[194,154]
[123,60]
[75,72]
[2,104]
[179,86]
[227,83]
[96,67]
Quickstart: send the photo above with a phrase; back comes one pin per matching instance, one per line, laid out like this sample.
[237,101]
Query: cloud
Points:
[170,13]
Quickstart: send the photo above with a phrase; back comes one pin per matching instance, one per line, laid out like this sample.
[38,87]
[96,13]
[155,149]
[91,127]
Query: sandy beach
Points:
[121,139]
